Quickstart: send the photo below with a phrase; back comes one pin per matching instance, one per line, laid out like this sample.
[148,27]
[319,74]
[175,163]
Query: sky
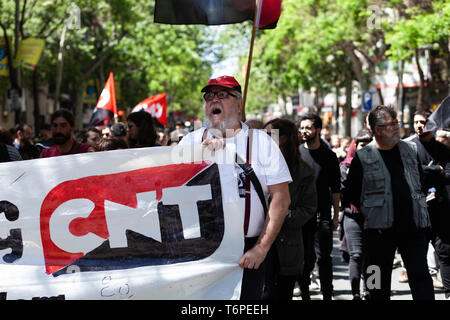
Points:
[227,67]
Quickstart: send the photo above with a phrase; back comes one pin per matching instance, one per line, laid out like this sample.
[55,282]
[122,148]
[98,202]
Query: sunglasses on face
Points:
[209,96]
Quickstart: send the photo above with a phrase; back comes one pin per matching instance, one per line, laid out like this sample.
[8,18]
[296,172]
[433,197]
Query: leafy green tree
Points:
[321,44]
[117,36]
[420,25]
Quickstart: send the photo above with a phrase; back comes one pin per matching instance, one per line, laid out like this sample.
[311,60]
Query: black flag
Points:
[440,118]
[215,12]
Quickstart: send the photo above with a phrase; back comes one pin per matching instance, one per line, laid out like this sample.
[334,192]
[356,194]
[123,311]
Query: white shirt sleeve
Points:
[266,155]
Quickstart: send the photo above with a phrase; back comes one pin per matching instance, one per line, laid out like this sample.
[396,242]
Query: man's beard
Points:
[424,134]
[222,126]
[309,138]
[60,138]
[392,140]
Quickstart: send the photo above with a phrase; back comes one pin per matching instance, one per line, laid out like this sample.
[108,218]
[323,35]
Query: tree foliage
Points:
[115,36]
[317,43]
[324,43]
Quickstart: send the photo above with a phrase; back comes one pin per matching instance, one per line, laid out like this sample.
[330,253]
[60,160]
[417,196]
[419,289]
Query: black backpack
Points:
[4,155]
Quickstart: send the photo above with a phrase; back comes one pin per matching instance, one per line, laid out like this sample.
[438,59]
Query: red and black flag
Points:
[156,106]
[213,12]
[106,106]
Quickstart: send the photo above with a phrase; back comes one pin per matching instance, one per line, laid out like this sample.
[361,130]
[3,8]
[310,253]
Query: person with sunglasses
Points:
[223,107]
[385,184]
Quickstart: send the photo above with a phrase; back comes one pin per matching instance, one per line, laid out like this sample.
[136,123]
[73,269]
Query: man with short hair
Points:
[384,183]
[223,108]
[318,232]
[63,125]
[23,142]
[434,157]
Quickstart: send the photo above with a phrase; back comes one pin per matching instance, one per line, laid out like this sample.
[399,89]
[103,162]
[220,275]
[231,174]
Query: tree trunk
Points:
[60,66]
[445,47]
[16,38]
[348,106]
[18,112]
[282,103]
[79,104]
[400,92]
[36,109]
[336,110]
[357,67]
[420,95]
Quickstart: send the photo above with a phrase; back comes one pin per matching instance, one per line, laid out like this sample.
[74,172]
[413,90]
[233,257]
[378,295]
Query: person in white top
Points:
[223,108]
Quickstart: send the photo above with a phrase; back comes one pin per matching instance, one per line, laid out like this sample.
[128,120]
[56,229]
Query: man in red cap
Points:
[223,107]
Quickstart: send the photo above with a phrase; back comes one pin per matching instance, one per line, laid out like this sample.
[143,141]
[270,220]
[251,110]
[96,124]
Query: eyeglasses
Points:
[305,129]
[209,96]
[389,124]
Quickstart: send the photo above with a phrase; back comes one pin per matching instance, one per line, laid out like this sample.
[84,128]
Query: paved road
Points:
[342,290]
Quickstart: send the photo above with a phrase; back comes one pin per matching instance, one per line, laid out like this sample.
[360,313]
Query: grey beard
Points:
[392,141]
[223,126]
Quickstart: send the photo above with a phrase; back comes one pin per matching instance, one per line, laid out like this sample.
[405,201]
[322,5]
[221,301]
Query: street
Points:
[342,291]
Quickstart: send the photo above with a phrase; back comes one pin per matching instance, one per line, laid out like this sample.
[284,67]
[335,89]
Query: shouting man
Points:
[223,108]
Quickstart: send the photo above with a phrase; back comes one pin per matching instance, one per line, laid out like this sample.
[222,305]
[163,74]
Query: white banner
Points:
[151,223]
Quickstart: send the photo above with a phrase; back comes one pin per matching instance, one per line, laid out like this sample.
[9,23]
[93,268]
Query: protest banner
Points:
[4,64]
[29,53]
[149,223]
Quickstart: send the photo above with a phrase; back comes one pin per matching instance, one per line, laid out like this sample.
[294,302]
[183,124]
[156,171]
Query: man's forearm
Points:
[279,205]
[274,221]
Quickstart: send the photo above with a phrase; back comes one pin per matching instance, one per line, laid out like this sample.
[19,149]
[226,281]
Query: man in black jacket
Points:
[23,142]
[320,228]
[8,153]
[433,157]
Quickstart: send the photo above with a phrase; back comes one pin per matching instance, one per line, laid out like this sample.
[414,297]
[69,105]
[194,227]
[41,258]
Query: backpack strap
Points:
[250,175]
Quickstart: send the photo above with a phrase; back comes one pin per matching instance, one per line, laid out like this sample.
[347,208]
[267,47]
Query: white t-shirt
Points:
[266,160]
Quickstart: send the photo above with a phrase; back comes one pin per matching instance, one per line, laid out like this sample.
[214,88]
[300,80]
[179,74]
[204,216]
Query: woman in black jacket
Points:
[286,256]
[353,222]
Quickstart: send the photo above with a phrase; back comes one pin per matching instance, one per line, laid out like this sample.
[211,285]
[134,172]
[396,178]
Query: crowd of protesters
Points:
[357,185]
[61,137]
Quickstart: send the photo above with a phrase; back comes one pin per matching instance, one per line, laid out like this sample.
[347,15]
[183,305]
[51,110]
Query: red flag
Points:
[156,106]
[216,12]
[106,106]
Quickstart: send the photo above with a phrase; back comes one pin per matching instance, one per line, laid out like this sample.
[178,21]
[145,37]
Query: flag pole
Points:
[250,55]
[113,99]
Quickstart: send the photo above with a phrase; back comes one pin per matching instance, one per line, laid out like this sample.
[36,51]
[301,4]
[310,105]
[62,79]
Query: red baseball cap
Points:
[223,81]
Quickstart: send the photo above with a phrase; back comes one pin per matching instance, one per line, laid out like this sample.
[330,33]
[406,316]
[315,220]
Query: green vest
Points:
[376,194]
